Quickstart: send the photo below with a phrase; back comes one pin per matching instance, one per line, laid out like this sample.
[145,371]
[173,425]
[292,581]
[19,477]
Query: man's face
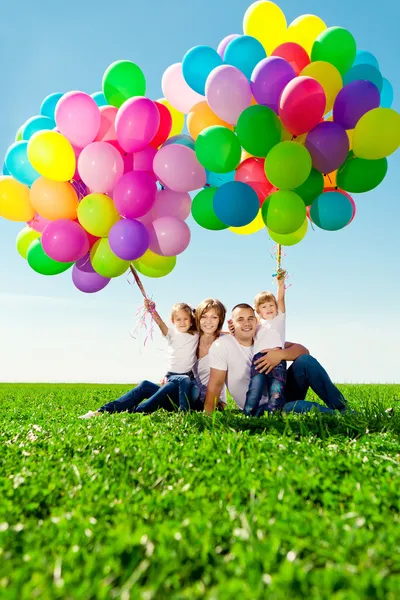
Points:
[245,323]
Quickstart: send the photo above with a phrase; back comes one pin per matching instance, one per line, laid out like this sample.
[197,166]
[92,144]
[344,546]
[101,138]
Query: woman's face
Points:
[209,321]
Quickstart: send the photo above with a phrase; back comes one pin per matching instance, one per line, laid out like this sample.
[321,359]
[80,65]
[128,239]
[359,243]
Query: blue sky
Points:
[344,298]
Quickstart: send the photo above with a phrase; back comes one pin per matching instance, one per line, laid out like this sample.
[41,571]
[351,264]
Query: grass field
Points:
[222,508]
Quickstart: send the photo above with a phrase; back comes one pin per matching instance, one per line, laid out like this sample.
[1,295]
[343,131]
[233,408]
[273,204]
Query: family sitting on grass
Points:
[250,362]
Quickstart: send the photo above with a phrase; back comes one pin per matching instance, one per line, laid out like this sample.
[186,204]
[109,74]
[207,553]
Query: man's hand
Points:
[269,361]
[231,327]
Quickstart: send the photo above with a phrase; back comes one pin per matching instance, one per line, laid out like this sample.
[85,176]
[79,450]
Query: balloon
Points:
[78,118]
[51,155]
[121,81]
[311,188]
[294,54]
[137,123]
[135,194]
[331,211]
[336,46]
[97,214]
[143,160]
[283,212]
[43,264]
[218,149]
[236,204]
[184,140]
[367,72]
[18,165]
[258,130]
[85,278]
[302,105]
[353,101]
[218,179]
[269,79]
[304,31]
[24,240]
[203,210]
[228,93]
[65,241]
[100,99]
[35,124]
[256,225]
[177,91]
[224,43]
[365,58]
[377,134]
[15,204]
[330,180]
[387,94]
[251,171]
[170,204]
[200,117]
[152,265]
[48,107]
[105,262]
[290,239]
[169,236]
[129,239]
[328,76]
[266,22]
[107,124]
[39,223]
[178,168]
[178,118]
[100,166]
[54,199]
[287,166]
[165,126]
[5,171]
[328,146]
[197,64]
[244,53]
[358,175]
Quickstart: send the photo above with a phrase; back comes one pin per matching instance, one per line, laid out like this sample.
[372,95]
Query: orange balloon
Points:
[14,200]
[330,180]
[200,117]
[54,199]
[245,155]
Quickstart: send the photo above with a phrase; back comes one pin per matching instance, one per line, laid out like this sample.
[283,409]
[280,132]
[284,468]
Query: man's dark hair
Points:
[243,305]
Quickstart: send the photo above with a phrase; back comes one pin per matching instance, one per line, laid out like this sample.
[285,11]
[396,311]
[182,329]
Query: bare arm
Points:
[281,291]
[156,317]
[214,389]
[272,358]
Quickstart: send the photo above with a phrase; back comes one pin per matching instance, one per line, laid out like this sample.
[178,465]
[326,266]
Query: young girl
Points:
[270,334]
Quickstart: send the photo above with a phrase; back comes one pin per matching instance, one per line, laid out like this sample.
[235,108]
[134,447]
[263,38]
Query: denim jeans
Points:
[188,392]
[271,385]
[155,397]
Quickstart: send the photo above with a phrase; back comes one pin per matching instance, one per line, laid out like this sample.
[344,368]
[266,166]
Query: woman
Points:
[148,397]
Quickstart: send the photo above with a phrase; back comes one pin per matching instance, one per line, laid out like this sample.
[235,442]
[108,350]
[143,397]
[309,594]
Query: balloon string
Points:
[143,312]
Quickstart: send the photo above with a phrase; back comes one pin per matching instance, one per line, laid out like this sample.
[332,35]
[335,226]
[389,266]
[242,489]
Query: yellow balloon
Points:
[105,262]
[51,154]
[24,239]
[252,227]
[266,22]
[290,239]
[289,137]
[178,118]
[97,214]
[15,204]
[350,135]
[377,134]
[304,31]
[328,76]
[154,265]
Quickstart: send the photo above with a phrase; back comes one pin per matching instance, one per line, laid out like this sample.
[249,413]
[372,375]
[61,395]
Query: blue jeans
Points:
[188,392]
[271,385]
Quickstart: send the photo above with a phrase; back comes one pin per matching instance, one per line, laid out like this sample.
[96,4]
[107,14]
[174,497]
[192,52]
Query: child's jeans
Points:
[188,391]
[271,386]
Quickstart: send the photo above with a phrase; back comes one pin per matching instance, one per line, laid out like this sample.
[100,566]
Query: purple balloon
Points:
[224,43]
[129,239]
[328,145]
[353,101]
[269,79]
[85,277]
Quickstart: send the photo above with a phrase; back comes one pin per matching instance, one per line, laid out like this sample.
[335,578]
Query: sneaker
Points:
[90,414]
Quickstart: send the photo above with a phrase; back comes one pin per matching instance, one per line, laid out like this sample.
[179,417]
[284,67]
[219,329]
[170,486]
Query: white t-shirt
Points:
[270,333]
[182,348]
[201,372]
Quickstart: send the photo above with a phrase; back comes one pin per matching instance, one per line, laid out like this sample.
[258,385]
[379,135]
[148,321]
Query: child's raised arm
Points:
[281,291]
[156,317]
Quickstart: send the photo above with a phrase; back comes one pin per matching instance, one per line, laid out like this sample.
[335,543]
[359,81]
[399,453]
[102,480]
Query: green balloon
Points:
[290,239]
[152,265]
[258,129]
[288,165]
[283,212]
[218,149]
[18,135]
[203,210]
[337,46]
[122,80]
[311,188]
[43,264]
[105,262]
[358,175]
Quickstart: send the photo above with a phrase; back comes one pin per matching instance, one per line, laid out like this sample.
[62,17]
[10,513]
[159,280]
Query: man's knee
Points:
[144,383]
[305,362]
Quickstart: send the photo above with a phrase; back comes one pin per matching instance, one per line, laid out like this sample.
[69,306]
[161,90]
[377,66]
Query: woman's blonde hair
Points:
[263,297]
[189,310]
[205,306]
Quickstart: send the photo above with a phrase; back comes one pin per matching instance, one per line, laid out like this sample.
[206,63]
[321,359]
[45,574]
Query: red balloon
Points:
[335,189]
[251,171]
[165,126]
[302,105]
[294,54]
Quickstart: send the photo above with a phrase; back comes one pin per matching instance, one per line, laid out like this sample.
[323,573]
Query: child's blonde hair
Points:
[189,310]
[205,306]
[263,297]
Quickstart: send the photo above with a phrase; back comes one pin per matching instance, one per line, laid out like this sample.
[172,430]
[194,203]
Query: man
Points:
[230,362]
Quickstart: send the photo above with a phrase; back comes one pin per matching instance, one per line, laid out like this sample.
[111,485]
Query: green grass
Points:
[222,508]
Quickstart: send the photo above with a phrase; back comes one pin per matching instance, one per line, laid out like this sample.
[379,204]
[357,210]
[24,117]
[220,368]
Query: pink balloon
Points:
[143,161]
[107,124]
[177,91]
[169,236]
[177,168]
[77,152]
[78,118]
[38,223]
[100,166]
[65,241]
[135,194]
[228,93]
[302,105]
[171,204]
[137,123]
[223,44]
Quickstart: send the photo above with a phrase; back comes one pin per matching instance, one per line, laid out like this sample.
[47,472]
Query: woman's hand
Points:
[269,361]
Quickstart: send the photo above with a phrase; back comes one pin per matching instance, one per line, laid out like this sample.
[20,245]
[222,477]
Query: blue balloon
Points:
[35,124]
[331,211]
[197,64]
[49,104]
[367,72]
[218,179]
[5,170]
[236,204]
[99,98]
[387,94]
[182,139]
[244,53]
[18,164]
[365,58]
